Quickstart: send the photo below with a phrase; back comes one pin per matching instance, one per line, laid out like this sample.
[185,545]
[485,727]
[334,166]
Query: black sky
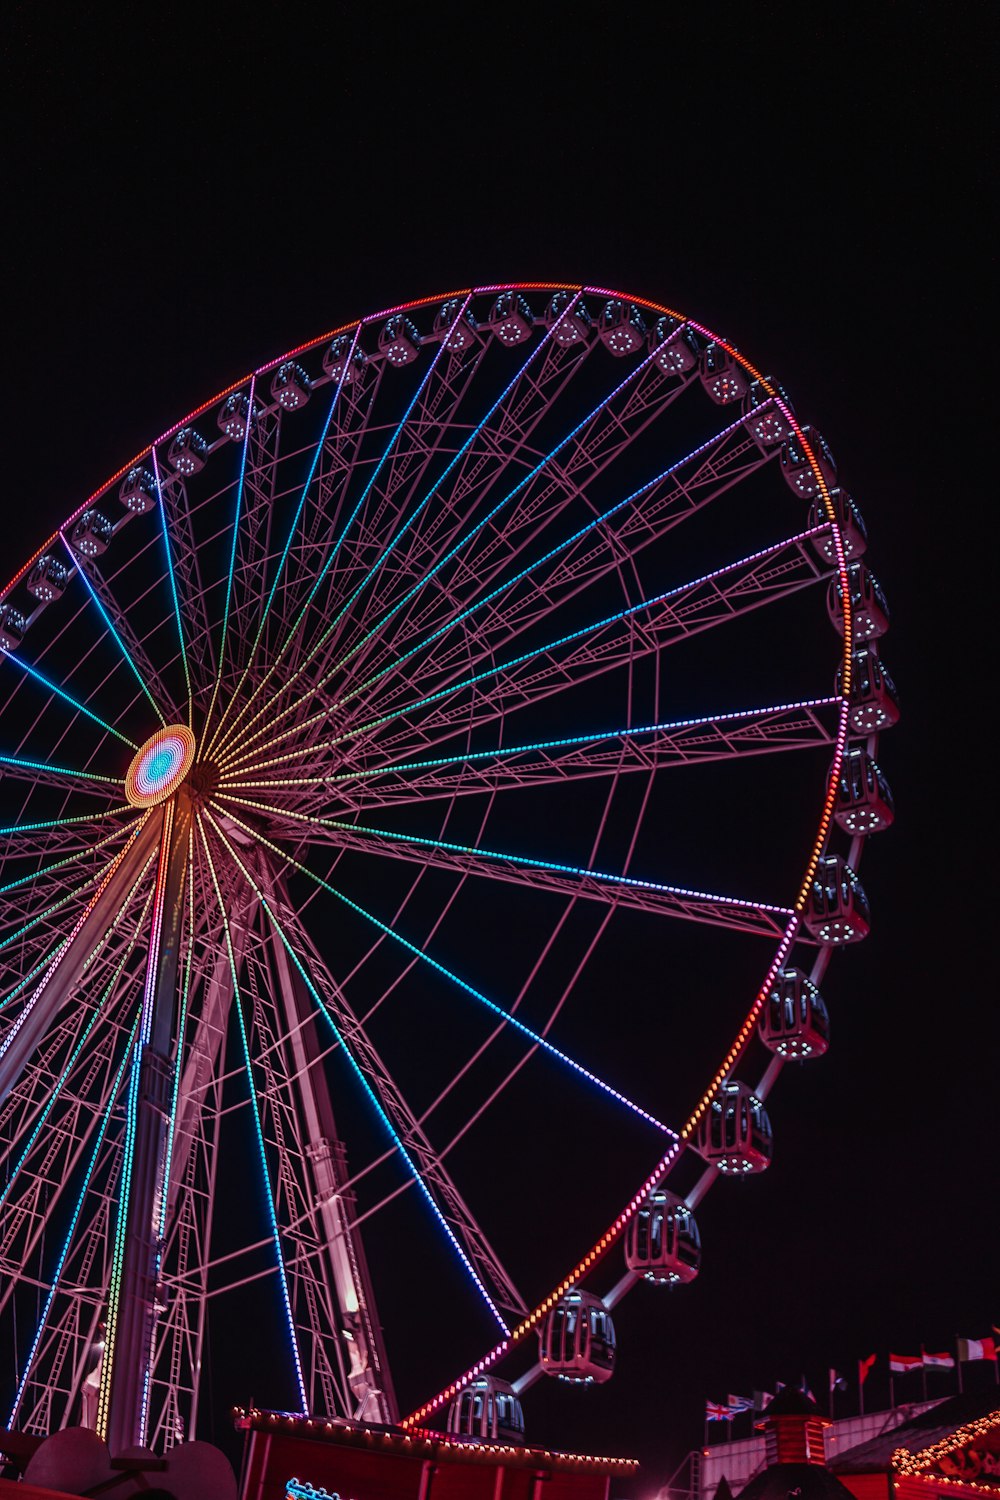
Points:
[185,201]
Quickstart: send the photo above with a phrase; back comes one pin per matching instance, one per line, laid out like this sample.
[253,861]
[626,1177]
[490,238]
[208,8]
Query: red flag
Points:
[902,1364]
[864,1367]
[977,1349]
[939,1361]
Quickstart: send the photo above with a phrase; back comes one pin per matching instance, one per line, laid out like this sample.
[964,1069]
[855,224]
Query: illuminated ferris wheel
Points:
[380,751]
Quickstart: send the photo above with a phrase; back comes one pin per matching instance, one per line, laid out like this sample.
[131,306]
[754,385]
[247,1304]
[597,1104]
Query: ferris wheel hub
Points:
[160,766]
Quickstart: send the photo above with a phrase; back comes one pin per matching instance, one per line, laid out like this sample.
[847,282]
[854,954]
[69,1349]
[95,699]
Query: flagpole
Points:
[892,1389]
[861,1390]
[923,1372]
[958,1362]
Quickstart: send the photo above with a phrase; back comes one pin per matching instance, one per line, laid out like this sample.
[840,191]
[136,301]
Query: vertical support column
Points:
[369,1376]
[132,1311]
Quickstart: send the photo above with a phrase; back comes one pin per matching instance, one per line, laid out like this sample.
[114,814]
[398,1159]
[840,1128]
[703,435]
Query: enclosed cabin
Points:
[91,534]
[621,327]
[722,375]
[290,386]
[849,522]
[344,360]
[838,910]
[12,627]
[188,453]
[567,316]
[399,341]
[734,1134]
[869,611]
[767,422]
[675,347]
[234,416]
[457,330]
[795,1022]
[873,703]
[48,579]
[487,1411]
[511,319]
[137,492]
[577,1340]
[797,465]
[662,1243]
[864,801]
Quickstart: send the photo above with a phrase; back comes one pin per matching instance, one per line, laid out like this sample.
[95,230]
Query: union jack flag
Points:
[714,1412]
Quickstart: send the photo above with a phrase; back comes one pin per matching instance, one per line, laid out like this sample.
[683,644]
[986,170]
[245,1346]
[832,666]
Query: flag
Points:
[716,1413]
[762,1399]
[740,1403]
[837,1382]
[804,1388]
[977,1349]
[939,1361]
[902,1364]
[864,1368]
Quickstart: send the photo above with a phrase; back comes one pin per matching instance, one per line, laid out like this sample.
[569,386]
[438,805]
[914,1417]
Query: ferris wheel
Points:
[393,756]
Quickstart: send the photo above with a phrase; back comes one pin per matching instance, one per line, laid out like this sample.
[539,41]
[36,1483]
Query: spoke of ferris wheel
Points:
[173,582]
[542,874]
[749,598]
[61,693]
[31,1020]
[367,1086]
[238,505]
[81,571]
[13,829]
[331,557]
[424,957]
[40,770]
[501,588]
[96,1015]
[485,520]
[50,911]
[255,1111]
[317,450]
[102,1131]
[643,747]
[533,566]
[538,348]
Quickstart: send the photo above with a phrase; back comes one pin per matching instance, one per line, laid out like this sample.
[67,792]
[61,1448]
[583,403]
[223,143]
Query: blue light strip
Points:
[288,544]
[232,560]
[61,692]
[95,1017]
[394,768]
[105,1121]
[41,765]
[497,668]
[252,1095]
[81,572]
[372,1095]
[347,526]
[173,582]
[507,1016]
[539,347]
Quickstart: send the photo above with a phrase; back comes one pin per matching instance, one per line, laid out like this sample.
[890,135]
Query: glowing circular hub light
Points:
[160,765]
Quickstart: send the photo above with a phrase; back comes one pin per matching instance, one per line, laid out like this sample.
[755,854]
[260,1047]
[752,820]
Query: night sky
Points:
[186,201]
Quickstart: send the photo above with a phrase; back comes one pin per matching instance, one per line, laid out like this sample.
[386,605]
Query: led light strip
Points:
[173,581]
[68,698]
